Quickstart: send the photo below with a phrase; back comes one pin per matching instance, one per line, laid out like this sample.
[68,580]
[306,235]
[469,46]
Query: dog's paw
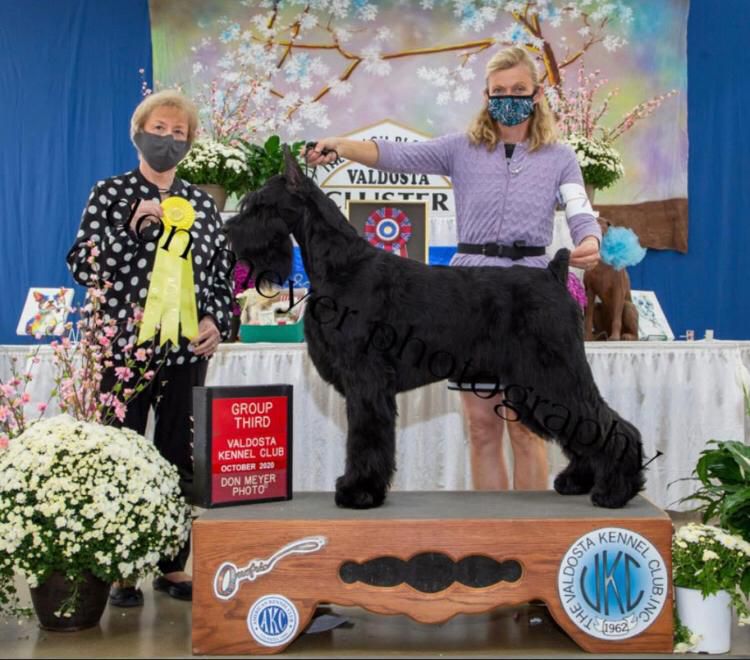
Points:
[568,484]
[353,495]
[576,479]
[611,499]
[616,490]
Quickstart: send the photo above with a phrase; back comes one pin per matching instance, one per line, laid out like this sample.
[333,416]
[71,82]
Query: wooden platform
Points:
[261,570]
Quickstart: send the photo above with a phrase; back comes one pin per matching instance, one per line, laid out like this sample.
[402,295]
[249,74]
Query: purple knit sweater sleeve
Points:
[426,157]
[582,224]
[498,199]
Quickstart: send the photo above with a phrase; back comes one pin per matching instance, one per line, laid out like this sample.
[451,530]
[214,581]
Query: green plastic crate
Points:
[274,333]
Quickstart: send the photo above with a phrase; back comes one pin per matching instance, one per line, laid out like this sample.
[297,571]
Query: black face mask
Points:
[161,152]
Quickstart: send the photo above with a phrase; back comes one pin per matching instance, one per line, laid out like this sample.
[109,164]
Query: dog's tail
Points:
[559,266]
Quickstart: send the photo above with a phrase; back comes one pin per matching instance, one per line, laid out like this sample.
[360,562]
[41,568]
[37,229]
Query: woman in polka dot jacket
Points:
[162,128]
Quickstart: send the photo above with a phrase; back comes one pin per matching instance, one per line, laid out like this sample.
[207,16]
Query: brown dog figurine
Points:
[615,317]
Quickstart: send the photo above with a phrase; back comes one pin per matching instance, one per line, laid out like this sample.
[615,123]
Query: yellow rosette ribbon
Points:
[170,302]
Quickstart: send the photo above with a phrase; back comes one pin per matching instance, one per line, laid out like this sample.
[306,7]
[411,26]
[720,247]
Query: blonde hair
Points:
[542,129]
[168,97]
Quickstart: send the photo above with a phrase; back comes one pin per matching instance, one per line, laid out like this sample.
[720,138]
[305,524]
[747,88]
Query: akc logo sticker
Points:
[613,583]
[273,620]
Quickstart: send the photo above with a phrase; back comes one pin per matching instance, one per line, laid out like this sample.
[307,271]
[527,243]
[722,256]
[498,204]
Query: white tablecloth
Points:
[680,395]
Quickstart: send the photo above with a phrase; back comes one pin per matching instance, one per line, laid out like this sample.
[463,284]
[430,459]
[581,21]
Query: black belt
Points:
[518,250]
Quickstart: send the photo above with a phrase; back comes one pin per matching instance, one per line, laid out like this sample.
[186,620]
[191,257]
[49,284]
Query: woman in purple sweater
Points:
[508,173]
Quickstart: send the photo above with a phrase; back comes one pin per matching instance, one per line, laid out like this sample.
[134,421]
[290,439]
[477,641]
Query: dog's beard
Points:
[263,243]
[274,266]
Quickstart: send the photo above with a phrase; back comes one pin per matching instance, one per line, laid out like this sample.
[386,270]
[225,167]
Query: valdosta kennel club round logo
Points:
[613,583]
[273,620]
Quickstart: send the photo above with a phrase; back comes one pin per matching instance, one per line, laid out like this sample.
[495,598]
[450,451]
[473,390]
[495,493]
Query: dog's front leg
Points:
[370,450]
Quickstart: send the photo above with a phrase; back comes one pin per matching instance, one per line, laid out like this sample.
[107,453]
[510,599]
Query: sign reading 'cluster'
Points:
[243,444]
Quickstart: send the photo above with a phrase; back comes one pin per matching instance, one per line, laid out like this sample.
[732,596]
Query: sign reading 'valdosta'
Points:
[613,583]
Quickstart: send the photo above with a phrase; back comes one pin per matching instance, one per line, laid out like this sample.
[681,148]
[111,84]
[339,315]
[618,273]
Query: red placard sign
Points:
[248,448]
[243,444]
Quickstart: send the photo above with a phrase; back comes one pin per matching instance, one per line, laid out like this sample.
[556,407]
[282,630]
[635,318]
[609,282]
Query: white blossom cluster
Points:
[372,61]
[209,161]
[367,11]
[593,153]
[271,86]
[691,644]
[209,153]
[79,497]
[450,82]
[694,533]
[476,15]
[712,557]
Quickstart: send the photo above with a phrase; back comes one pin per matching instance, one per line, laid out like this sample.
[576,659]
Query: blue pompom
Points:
[620,248]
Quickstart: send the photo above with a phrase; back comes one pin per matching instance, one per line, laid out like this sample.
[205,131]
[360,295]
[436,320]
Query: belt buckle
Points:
[512,251]
[490,249]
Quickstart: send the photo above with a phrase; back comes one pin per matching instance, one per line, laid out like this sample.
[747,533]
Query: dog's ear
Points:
[292,170]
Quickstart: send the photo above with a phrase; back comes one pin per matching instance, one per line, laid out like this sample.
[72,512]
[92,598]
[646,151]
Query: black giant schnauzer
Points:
[377,324]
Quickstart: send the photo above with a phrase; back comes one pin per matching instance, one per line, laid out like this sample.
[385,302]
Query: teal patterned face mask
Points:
[511,110]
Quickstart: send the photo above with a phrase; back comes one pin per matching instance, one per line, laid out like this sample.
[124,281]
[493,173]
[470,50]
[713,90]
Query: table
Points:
[263,569]
[680,394]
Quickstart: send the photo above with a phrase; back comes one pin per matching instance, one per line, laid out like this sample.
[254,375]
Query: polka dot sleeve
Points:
[104,221]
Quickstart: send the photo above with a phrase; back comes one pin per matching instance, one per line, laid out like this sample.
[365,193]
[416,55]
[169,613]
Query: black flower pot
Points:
[56,589]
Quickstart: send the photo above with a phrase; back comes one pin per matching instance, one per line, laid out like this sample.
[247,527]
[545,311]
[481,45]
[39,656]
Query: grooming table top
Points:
[431,505]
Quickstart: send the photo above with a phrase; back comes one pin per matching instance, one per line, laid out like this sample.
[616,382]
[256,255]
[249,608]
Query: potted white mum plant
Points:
[600,163]
[82,503]
[711,570]
[216,168]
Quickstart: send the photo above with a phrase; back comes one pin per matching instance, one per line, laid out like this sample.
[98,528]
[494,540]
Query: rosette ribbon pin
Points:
[389,229]
[170,302]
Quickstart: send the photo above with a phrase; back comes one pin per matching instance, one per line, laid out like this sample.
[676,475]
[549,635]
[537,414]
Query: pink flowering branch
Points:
[639,112]
[15,400]
[81,365]
[577,116]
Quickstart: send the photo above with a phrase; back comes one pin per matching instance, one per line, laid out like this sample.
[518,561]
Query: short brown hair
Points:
[169,97]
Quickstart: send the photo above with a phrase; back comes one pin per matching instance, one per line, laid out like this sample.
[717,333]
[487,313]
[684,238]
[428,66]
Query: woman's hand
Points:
[147,212]
[208,339]
[586,255]
[315,156]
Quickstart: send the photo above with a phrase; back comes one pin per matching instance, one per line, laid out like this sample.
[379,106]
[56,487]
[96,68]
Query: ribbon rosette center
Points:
[389,229]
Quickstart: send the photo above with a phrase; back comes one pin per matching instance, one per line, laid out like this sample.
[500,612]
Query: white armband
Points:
[575,199]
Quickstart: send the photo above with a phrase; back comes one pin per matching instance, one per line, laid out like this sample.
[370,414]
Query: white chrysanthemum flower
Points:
[708,555]
[98,480]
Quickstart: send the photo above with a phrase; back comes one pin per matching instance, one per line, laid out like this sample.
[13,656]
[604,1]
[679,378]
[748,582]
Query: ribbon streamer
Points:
[170,302]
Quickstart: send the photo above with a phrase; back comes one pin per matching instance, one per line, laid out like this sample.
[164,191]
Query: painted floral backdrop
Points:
[311,68]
